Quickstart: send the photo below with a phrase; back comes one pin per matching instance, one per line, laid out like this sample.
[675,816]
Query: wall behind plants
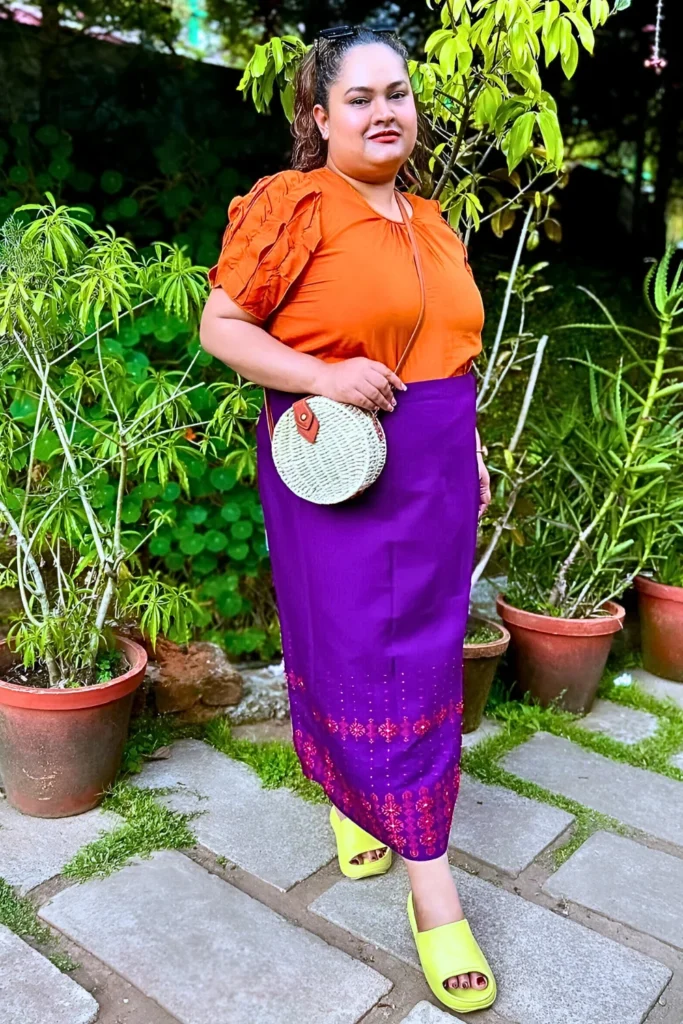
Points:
[156,147]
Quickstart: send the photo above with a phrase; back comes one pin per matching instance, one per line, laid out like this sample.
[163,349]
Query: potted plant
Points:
[660,593]
[600,507]
[80,418]
[485,644]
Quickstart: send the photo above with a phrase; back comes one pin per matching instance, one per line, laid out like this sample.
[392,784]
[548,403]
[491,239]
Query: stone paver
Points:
[548,968]
[207,952]
[35,849]
[33,991]
[427,1013]
[642,888]
[628,725]
[486,729]
[633,795]
[658,687]
[501,828]
[677,761]
[270,832]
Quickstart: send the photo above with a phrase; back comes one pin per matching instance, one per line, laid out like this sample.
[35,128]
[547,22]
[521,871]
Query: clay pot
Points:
[661,628]
[560,661]
[480,665]
[61,749]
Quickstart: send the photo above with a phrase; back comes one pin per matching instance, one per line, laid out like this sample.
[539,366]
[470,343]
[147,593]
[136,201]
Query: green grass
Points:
[147,827]
[19,915]
[275,762]
[483,762]
[521,719]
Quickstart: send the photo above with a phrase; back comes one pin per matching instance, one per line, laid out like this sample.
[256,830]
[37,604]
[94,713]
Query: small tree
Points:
[76,420]
[481,92]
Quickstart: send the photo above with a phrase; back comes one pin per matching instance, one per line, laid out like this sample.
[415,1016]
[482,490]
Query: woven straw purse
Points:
[327,451]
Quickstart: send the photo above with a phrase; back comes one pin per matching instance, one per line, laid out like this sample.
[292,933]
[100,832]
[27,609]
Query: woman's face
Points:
[371,96]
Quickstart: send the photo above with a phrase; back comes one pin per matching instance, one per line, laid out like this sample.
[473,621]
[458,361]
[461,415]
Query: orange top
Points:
[307,255]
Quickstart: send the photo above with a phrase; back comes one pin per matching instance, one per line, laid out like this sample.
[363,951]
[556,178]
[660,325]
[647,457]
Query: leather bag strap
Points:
[402,204]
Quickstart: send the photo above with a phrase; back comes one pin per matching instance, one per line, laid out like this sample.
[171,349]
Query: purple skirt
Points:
[373,598]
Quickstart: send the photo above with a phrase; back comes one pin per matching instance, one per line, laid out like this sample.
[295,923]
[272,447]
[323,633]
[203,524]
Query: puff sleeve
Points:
[271,236]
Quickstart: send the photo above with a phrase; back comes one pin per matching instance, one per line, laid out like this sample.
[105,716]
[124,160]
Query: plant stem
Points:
[529,393]
[506,305]
[41,592]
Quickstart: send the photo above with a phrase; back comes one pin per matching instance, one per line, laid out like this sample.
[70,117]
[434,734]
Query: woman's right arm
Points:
[234,336]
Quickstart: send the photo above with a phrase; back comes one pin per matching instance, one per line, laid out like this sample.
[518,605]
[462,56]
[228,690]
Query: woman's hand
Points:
[484,479]
[359,381]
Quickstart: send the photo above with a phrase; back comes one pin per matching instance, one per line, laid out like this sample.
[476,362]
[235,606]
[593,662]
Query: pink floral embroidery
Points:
[414,825]
[295,681]
[388,730]
[356,729]
[422,725]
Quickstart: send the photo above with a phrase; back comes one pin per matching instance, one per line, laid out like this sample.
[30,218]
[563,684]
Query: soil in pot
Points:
[661,628]
[485,644]
[561,661]
[60,749]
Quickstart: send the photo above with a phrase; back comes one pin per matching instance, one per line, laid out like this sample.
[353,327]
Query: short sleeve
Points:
[272,233]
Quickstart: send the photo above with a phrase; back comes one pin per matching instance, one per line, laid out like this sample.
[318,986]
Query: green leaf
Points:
[287,101]
[519,139]
[238,551]
[47,445]
[215,540]
[278,57]
[586,34]
[242,530]
[193,545]
[570,56]
[552,136]
[159,546]
[196,514]
[231,512]
[223,478]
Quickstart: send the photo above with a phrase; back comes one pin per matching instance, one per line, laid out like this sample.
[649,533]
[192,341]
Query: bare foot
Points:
[364,858]
[436,902]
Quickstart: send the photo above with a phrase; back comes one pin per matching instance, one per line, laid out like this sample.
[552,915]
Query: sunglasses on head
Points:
[345,31]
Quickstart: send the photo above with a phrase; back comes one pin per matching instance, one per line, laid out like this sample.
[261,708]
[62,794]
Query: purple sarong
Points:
[373,598]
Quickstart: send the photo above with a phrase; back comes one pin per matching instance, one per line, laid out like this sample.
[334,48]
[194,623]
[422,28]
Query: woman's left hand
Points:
[484,480]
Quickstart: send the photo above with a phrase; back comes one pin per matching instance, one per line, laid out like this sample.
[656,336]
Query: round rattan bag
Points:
[327,451]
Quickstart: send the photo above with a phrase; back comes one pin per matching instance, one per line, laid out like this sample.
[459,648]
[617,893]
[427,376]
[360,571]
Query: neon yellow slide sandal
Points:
[449,950]
[352,841]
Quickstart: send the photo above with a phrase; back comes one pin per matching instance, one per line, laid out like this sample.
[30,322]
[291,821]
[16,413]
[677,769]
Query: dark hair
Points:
[320,69]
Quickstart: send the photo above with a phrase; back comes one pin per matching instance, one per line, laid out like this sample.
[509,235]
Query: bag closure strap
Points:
[306,420]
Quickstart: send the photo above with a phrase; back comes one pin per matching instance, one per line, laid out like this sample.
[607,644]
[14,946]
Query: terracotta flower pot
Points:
[661,628]
[481,662]
[61,749]
[560,661]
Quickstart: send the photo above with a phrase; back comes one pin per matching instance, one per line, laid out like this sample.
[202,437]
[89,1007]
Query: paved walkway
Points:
[255,924]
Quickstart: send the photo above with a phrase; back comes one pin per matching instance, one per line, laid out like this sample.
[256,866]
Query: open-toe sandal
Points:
[353,841]
[447,951]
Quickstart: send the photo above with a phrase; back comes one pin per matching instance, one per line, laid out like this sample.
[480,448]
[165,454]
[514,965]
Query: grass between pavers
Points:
[148,826]
[274,761]
[19,915]
[521,719]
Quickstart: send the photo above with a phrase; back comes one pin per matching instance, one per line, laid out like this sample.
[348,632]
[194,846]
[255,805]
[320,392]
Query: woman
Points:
[316,292]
